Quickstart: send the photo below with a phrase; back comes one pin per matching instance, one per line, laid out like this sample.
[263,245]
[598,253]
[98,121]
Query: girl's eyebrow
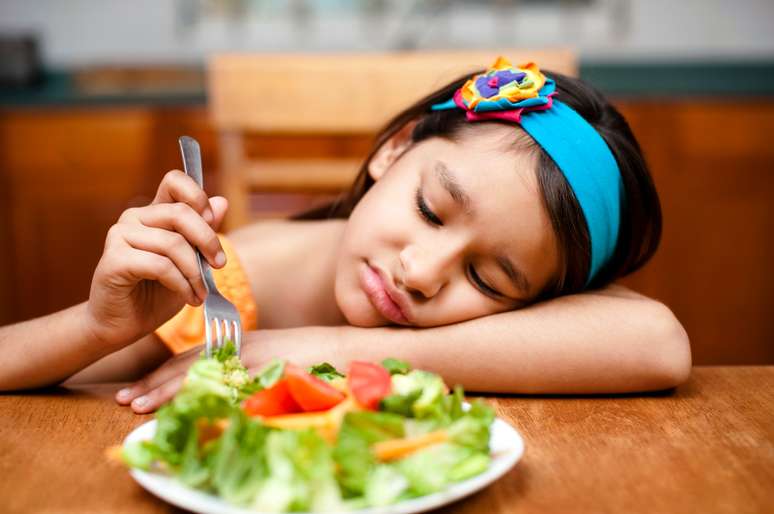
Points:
[452,186]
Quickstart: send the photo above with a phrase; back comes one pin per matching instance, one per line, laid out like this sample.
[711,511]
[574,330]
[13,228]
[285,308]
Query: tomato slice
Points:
[273,401]
[311,393]
[369,383]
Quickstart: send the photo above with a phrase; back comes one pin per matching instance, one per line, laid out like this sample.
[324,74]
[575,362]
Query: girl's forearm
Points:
[611,341]
[45,351]
[125,365]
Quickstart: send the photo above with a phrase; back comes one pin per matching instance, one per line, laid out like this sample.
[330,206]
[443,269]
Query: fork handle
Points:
[192,164]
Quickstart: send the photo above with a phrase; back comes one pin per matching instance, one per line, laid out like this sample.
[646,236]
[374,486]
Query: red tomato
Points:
[311,393]
[273,401]
[369,383]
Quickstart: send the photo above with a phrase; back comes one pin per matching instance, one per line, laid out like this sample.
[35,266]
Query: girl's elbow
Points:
[673,357]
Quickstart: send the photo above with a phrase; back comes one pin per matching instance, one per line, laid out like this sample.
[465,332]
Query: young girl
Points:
[479,240]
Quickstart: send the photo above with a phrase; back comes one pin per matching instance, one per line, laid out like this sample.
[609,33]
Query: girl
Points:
[479,240]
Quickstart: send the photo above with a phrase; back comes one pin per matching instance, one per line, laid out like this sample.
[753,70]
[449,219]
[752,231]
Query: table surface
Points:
[706,447]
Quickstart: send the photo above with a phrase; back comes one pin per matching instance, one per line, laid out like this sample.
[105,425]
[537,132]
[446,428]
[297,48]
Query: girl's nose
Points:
[427,270]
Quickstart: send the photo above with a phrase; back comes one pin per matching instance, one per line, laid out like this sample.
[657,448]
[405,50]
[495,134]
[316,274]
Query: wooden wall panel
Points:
[714,169]
[69,174]
[7,281]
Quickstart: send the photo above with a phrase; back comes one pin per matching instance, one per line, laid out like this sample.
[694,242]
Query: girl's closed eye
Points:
[424,210]
[486,289]
[429,216]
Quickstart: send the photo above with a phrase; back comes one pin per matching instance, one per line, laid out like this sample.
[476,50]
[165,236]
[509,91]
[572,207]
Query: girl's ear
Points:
[389,152]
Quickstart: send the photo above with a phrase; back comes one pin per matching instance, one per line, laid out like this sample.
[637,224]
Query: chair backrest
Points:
[326,94]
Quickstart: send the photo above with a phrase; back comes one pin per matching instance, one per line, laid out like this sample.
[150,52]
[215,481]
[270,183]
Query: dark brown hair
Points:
[640,227]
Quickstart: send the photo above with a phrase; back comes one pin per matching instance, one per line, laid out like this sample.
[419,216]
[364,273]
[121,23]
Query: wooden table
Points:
[707,447]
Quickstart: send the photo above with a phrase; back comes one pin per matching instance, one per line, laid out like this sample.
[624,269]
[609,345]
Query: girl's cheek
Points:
[471,304]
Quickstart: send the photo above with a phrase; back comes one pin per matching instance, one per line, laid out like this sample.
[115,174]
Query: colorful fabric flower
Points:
[503,92]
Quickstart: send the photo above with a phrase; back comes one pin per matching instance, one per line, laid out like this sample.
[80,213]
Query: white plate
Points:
[505,443]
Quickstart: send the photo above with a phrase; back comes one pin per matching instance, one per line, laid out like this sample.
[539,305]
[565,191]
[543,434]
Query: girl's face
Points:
[450,231]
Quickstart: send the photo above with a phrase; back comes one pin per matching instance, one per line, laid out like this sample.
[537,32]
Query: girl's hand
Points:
[303,346]
[148,269]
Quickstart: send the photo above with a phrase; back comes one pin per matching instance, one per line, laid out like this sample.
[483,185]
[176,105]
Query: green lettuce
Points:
[385,485]
[205,440]
[139,454]
[395,366]
[300,474]
[236,460]
[271,373]
[419,394]
[358,431]
[325,372]
[435,467]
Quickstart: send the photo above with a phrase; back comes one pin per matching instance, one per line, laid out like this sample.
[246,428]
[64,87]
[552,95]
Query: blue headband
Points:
[523,95]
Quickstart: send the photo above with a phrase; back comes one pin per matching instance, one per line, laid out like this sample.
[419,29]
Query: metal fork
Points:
[218,311]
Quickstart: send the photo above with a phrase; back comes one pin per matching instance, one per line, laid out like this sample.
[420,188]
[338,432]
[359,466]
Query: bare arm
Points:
[46,350]
[608,341]
[125,365]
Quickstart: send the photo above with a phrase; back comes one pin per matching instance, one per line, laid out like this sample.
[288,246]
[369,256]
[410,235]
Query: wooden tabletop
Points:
[706,447]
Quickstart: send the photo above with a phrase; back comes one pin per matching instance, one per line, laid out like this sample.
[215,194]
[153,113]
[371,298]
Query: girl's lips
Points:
[375,289]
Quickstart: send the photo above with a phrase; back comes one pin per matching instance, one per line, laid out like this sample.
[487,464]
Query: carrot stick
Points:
[393,449]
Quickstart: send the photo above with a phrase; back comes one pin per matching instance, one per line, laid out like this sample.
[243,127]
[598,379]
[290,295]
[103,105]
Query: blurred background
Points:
[95,93]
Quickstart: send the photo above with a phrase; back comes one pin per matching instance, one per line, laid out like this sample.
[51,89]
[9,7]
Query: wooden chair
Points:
[324,95]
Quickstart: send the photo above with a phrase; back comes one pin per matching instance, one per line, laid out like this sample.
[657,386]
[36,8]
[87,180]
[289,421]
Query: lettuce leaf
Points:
[206,376]
[300,474]
[385,485]
[433,468]
[359,430]
[139,454]
[419,394]
[176,421]
[325,371]
[192,470]
[270,373]
[395,366]
[225,352]
[237,459]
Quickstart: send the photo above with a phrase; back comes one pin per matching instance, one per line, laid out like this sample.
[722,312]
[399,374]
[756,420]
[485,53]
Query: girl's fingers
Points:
[180,218]
[142,265]
[176,367]
[171,245]
[176,186]
[219,206]
[155,398]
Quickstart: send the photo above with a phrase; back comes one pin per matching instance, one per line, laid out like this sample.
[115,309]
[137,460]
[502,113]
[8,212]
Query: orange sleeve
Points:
[186,328]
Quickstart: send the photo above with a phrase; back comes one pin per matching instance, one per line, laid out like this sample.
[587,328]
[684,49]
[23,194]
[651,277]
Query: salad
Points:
[291,439]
